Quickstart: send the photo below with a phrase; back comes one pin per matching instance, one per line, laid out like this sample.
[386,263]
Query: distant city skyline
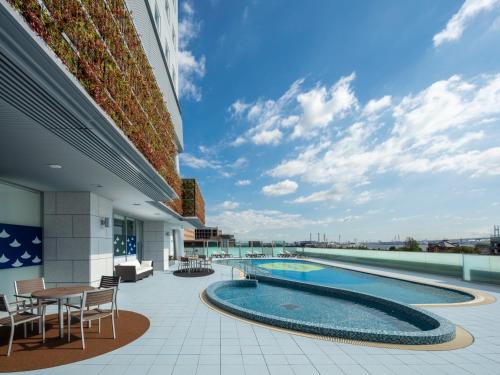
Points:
[366,119]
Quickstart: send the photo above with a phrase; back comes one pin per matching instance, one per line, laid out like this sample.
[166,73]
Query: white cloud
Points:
[366,196]
[243,182]
[256,222]
[267,137]
[238,142]
[191,68]
[190,71]
[321,196]
[321,105]
[195,162]
[375,106]
[228,205]
[239,163]
[457,24]
[298,113]
[238,107]
[439,129]
[281,188]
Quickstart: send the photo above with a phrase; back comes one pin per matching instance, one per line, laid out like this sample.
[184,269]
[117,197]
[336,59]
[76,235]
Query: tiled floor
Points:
[186,337]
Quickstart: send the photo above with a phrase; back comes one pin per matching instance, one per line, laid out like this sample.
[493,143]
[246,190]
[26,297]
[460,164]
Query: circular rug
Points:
[31,354]
[196,272]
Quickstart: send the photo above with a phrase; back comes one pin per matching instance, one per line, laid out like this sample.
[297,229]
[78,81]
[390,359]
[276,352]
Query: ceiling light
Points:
[54,166]
[136,204]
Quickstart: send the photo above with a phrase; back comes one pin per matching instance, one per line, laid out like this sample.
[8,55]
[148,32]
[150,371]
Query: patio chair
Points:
[19,316]
[23,290]
[88,310]
[111,282]
[184,263]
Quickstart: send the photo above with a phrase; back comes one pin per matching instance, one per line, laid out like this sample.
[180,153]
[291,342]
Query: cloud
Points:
[238,142]
[457,24]
[442,128]
[191,68]
[243,182]
[321,105]
[281,188]
[298,113]
[239,163]
[335,194]
[366,196]
[228,205]
[267,137]
[249,221]
[375,106]
[238,107]
[195,162]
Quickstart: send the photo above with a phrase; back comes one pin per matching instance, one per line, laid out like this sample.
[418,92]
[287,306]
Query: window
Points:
[157,17]
[167,51]
[167,9]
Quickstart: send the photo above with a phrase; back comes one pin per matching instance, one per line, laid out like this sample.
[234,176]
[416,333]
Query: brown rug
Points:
[30,354]
[195,272]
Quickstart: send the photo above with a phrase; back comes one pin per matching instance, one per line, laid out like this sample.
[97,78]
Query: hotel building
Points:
[90,132]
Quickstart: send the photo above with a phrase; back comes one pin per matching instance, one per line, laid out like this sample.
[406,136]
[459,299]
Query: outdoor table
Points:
[61,294]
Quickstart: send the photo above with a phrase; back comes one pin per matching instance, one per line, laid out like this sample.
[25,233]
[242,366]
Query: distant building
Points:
[441,246]
[208,236]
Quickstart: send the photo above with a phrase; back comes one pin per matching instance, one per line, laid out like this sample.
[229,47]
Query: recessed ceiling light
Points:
[136,204]
[157,214]
[54,166]
[97,185]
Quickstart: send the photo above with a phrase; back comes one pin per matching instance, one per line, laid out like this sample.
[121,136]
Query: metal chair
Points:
[23,290]
[184,263]
[19,316]
[111,282]
[89,312]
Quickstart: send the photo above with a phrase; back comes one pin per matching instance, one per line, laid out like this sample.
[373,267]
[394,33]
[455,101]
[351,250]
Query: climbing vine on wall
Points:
[97,41]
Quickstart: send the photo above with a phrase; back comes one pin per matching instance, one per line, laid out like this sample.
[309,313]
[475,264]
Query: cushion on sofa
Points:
[147,263]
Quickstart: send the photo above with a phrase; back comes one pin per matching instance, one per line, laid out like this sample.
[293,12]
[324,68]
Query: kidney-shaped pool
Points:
[322,274]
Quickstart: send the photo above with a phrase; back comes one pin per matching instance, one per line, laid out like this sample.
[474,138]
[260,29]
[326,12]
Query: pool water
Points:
[306,306]
[385,287]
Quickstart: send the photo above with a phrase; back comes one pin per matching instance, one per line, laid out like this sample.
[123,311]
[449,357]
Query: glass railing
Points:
[470,267]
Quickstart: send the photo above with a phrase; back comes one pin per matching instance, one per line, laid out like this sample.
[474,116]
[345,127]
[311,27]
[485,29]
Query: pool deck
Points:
[186,337]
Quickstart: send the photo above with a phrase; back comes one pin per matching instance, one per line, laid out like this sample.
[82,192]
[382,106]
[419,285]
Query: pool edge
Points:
[463,338]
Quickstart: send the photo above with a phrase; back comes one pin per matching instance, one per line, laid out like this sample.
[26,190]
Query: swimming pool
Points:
[321,274]
[329,311]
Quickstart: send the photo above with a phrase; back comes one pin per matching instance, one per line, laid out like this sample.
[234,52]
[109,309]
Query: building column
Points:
[158,244]
[78,244]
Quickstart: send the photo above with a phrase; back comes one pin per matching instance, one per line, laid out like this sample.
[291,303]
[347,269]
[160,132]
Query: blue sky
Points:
[361,119]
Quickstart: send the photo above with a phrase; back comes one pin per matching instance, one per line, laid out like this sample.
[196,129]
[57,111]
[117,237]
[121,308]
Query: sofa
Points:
[134,270]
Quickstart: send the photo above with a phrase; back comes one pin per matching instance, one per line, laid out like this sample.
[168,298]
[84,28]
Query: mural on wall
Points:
[131,245]
[119,245]
[20,246]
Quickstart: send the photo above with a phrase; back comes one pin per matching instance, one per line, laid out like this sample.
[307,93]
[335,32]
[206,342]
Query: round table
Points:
[61,294]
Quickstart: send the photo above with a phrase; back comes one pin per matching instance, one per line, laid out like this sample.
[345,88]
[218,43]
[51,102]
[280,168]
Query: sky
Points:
[366,120]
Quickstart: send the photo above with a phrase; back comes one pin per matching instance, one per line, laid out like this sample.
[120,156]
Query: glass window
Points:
[157,17]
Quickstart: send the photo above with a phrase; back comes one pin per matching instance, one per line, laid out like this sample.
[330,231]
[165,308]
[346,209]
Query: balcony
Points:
[193,205]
